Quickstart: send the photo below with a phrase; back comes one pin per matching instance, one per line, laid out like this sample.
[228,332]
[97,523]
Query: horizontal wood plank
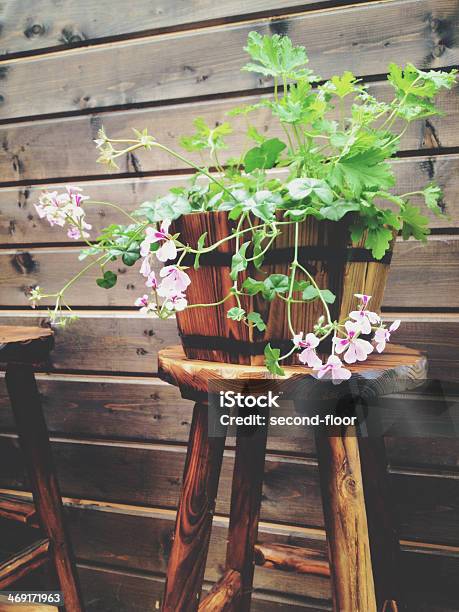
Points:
[128,342]
[19,222]
[29,27]
[183,65]
[427,505]
[415,276]
[148,410]
[64,147]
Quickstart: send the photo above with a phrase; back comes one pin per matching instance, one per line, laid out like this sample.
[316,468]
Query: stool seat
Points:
[25,344]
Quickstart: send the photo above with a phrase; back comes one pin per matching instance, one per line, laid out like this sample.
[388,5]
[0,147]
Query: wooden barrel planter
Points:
[325,251]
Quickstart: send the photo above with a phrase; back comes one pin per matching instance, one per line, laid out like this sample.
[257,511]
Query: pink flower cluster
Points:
[173,280]
[65,208]
[346,342]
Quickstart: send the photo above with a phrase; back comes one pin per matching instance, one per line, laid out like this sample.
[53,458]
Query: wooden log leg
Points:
[346,524]
[187,560]
[384,541]
[245,508]
[35,445]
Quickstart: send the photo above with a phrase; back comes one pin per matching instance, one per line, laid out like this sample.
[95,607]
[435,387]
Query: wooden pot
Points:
[325,250]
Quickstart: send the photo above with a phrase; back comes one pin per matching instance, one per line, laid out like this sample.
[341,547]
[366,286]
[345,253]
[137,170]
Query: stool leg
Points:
[384,541]
[245,508]
[35,445]
[187,560]
[346,522]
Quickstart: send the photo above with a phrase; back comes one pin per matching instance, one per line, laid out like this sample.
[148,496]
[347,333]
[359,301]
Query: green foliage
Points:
[236,313]
[272,356]
[108,280]
[239,261]
[206,137]
[414,223]
[265,156]
[312,293]
[256,319]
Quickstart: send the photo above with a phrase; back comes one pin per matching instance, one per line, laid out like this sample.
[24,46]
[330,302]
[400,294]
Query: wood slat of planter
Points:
[412,264]
[28,28]
[17,509]
[23,562]
[187,65]
[19,222]
[427,507]
[152,411]
[128,342]
[31,152]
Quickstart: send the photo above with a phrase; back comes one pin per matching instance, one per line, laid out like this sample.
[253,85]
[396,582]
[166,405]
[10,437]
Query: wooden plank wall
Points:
[119,434]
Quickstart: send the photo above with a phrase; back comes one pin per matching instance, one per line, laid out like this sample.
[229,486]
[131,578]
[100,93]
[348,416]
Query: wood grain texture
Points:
[412,263]
[24,562]
[19,222]
[198,493]
[28,27]
[29,149]
[128,342]
[149,410]
[16,509]
[292,559]
[224,595]
[427,506]
[36,448]
[186,64]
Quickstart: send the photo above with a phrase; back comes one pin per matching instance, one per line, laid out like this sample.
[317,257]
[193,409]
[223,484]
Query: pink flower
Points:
[175,281]
[308,356]
[365,318]
[168,250]
[59,209]
[145,268]
[145,306]
[333,370]
[152,281]
[382,335]
[356,348]
[176,302]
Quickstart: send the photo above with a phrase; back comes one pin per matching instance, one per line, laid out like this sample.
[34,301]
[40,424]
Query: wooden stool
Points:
[21,348]
[362,541]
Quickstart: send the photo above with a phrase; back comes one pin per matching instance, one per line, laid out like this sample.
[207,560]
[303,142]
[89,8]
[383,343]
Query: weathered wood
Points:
[192,376]
[19,223]
[28,28]
[224,594]
[382,529]
[148,410]
[25,344]
[29,149]
[15,509]
[346,526]
[187,65]
[292,559]
[427,500]
[24,562]
[187,559]
[412,263]
[34,442]
[246,491]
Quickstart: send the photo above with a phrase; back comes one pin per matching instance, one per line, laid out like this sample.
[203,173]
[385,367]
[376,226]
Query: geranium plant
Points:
[337,140]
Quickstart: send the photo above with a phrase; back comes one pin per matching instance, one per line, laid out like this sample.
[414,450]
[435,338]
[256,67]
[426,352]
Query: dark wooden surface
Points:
[105,415]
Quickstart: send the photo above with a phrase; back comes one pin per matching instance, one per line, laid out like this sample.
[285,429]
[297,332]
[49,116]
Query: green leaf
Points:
[265,156]
[433,196]
[236,313]
[255,318]
[272,360]
[275,56]
[239,261]
[312,293]
[379,240]
[255,135]
[252,286]
[274,284]
[130,257]
[338,210]
[206,137]
[108,281]
[362,170]
[199,246]
[303,187]
[343,85]
[414,223]
[170,207]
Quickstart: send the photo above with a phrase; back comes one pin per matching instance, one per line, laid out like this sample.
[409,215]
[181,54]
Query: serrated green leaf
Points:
[272,360]
[414,223]
[379,240]
[433,195]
